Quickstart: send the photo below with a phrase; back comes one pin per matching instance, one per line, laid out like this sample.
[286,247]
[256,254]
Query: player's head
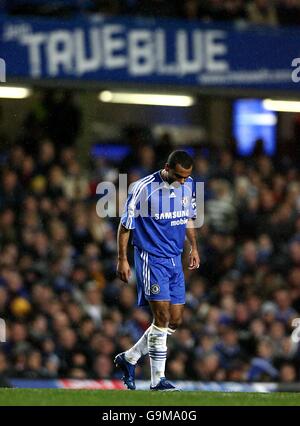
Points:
[179,166]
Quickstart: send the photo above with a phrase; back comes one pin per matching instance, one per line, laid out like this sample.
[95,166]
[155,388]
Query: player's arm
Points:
[123,268]
[127,224]
[194,260]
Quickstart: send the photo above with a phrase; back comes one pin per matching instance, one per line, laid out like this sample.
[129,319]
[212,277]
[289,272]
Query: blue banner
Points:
[150,51]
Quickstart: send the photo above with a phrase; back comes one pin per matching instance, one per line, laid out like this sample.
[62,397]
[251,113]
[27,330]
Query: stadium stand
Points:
[259,12]
[68,315]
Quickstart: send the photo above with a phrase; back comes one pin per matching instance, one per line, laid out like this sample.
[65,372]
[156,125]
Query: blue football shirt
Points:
[158,214]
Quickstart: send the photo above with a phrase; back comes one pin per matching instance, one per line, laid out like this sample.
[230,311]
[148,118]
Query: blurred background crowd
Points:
[267,12]
[68,315]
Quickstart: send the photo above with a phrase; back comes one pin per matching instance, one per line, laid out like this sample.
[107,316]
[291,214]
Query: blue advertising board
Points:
[133,50]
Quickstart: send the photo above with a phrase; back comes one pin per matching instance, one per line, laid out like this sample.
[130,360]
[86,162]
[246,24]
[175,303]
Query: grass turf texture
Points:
[68,397]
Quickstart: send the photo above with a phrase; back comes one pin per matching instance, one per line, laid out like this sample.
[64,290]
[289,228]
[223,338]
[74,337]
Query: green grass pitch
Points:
[68,397]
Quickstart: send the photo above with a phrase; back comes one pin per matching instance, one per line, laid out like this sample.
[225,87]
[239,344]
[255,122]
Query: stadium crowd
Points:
[261,12]
[68,315]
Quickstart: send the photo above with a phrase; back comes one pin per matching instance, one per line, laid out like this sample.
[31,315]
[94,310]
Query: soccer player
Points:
[157,211]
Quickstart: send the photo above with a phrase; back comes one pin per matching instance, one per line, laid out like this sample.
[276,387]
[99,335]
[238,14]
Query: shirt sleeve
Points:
[130,211]
[128,216]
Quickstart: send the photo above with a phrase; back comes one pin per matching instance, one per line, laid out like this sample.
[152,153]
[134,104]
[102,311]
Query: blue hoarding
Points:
[149,51]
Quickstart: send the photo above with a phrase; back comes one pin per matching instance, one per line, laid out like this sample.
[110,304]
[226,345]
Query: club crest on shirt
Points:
[155,289]
[185,201]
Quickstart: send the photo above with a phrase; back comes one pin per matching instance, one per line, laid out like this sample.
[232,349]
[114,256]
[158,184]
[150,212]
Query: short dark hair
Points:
[180,157]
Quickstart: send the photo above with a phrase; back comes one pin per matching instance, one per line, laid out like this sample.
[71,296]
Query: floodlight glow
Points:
[281,106]
[10,92]
[146,99]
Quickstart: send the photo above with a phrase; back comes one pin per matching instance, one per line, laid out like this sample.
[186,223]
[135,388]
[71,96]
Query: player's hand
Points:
[123,270]
[194,262]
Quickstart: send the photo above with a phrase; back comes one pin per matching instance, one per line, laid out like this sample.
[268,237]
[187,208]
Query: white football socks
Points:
[157,346]
[170,331]
[133,354]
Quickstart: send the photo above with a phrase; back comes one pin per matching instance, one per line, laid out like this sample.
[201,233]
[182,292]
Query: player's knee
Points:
[175,323]
[162,319]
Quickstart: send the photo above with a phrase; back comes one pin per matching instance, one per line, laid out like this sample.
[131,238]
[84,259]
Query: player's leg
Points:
[141,262]
[177,293]
[173,317]
[176,314]
[140,348]
[157,340]
[152,286]
[155,290]
[127,360]
[167,317]
[148,275]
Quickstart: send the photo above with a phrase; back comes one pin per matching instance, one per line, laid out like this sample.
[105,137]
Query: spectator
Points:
[288,373]
[284,311]
[75,185]
[288,12]
[262,12]
[213,10]
[4,371]
[158,8]
[220,209]
[34,367]
[262,368]
[235,10]
[208,368]
[103,367]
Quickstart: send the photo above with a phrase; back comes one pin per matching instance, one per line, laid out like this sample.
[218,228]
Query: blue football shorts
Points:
[158,278]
